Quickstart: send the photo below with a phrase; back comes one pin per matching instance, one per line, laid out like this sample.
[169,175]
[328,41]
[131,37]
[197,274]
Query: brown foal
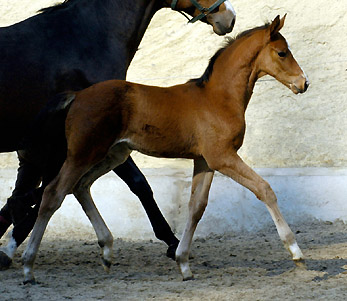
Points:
[203,120]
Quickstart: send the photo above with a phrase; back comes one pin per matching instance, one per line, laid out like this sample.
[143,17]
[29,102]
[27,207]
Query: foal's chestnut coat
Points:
[203,120]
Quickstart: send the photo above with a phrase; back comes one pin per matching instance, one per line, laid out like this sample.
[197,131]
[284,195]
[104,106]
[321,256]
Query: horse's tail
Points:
[49,124]
[45,144]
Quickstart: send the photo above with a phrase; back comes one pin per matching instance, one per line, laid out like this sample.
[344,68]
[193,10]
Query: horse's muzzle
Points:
[220,29]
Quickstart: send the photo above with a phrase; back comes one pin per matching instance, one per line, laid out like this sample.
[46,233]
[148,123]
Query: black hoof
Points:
[5,261]
[171,251]
[32,282]
[300,264]
[106,263]
[189,278]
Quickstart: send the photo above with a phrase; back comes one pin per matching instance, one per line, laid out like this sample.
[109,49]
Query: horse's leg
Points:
[19,233]
[235,168]
[52,199]
[202,179]
[7,252]
[18,207]
[137,183]
[5,219]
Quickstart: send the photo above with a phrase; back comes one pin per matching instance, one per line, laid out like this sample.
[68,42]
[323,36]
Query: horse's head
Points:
[218,13]
[277,60]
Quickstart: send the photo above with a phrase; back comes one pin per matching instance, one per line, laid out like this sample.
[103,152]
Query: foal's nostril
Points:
[306,85]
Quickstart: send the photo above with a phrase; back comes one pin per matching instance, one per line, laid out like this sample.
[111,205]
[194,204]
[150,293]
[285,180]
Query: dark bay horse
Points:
[70,47]
[203,120]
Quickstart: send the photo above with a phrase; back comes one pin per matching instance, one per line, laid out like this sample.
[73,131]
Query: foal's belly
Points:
[163,147]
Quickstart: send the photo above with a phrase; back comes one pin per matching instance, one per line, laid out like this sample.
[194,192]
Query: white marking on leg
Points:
[182,255]
[107,253]
[26,270]
[296,252]
[28,275]
[185,270]
[11,247]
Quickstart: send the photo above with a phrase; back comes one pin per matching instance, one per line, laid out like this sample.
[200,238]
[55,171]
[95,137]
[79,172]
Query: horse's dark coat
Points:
[65,48]
[71,46]
[68,47]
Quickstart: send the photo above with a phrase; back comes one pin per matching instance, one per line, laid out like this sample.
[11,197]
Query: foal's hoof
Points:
[171,251]
[189,278]
[106,265]
[301,264]
[32,282]
[5,261]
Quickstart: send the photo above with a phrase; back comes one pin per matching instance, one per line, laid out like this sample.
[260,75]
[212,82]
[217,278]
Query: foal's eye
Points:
[282,54]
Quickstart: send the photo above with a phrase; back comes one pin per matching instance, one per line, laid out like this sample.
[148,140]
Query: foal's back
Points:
[153,120]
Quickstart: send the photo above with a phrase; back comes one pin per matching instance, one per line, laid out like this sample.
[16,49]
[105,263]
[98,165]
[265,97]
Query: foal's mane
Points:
[201,81]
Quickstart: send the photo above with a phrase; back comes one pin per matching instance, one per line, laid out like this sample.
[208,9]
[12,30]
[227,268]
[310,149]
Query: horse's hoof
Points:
[106,265]
[171,251]
[301,264]
[32,282]
[5,261]
[189,278]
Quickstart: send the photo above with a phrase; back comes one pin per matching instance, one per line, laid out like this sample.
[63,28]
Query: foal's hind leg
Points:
[104,235]
[117,155]
[234,167]
[202,179]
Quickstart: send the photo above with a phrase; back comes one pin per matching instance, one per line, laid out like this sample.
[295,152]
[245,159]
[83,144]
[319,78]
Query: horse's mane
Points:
[56,6]
[200,82]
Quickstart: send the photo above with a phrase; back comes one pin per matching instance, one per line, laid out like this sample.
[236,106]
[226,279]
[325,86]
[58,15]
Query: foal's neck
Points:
[235,74]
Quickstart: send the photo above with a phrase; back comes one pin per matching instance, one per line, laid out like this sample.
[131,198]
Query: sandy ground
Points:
[252,266]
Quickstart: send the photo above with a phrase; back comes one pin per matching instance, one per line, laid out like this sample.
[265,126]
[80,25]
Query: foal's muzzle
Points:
[300,85]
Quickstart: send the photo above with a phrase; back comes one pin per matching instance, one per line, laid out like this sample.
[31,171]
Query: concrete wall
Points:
[283,130]
[303,194]
[298,142]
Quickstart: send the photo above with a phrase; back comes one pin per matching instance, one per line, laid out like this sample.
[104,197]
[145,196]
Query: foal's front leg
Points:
[234,167]
[202,179]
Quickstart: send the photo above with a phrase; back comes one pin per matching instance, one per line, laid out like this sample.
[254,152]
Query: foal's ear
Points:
[276,25]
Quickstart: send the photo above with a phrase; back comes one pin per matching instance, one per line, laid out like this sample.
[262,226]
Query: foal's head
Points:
[276,59]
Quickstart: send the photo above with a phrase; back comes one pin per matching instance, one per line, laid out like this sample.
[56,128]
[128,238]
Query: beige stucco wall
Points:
[283,130]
